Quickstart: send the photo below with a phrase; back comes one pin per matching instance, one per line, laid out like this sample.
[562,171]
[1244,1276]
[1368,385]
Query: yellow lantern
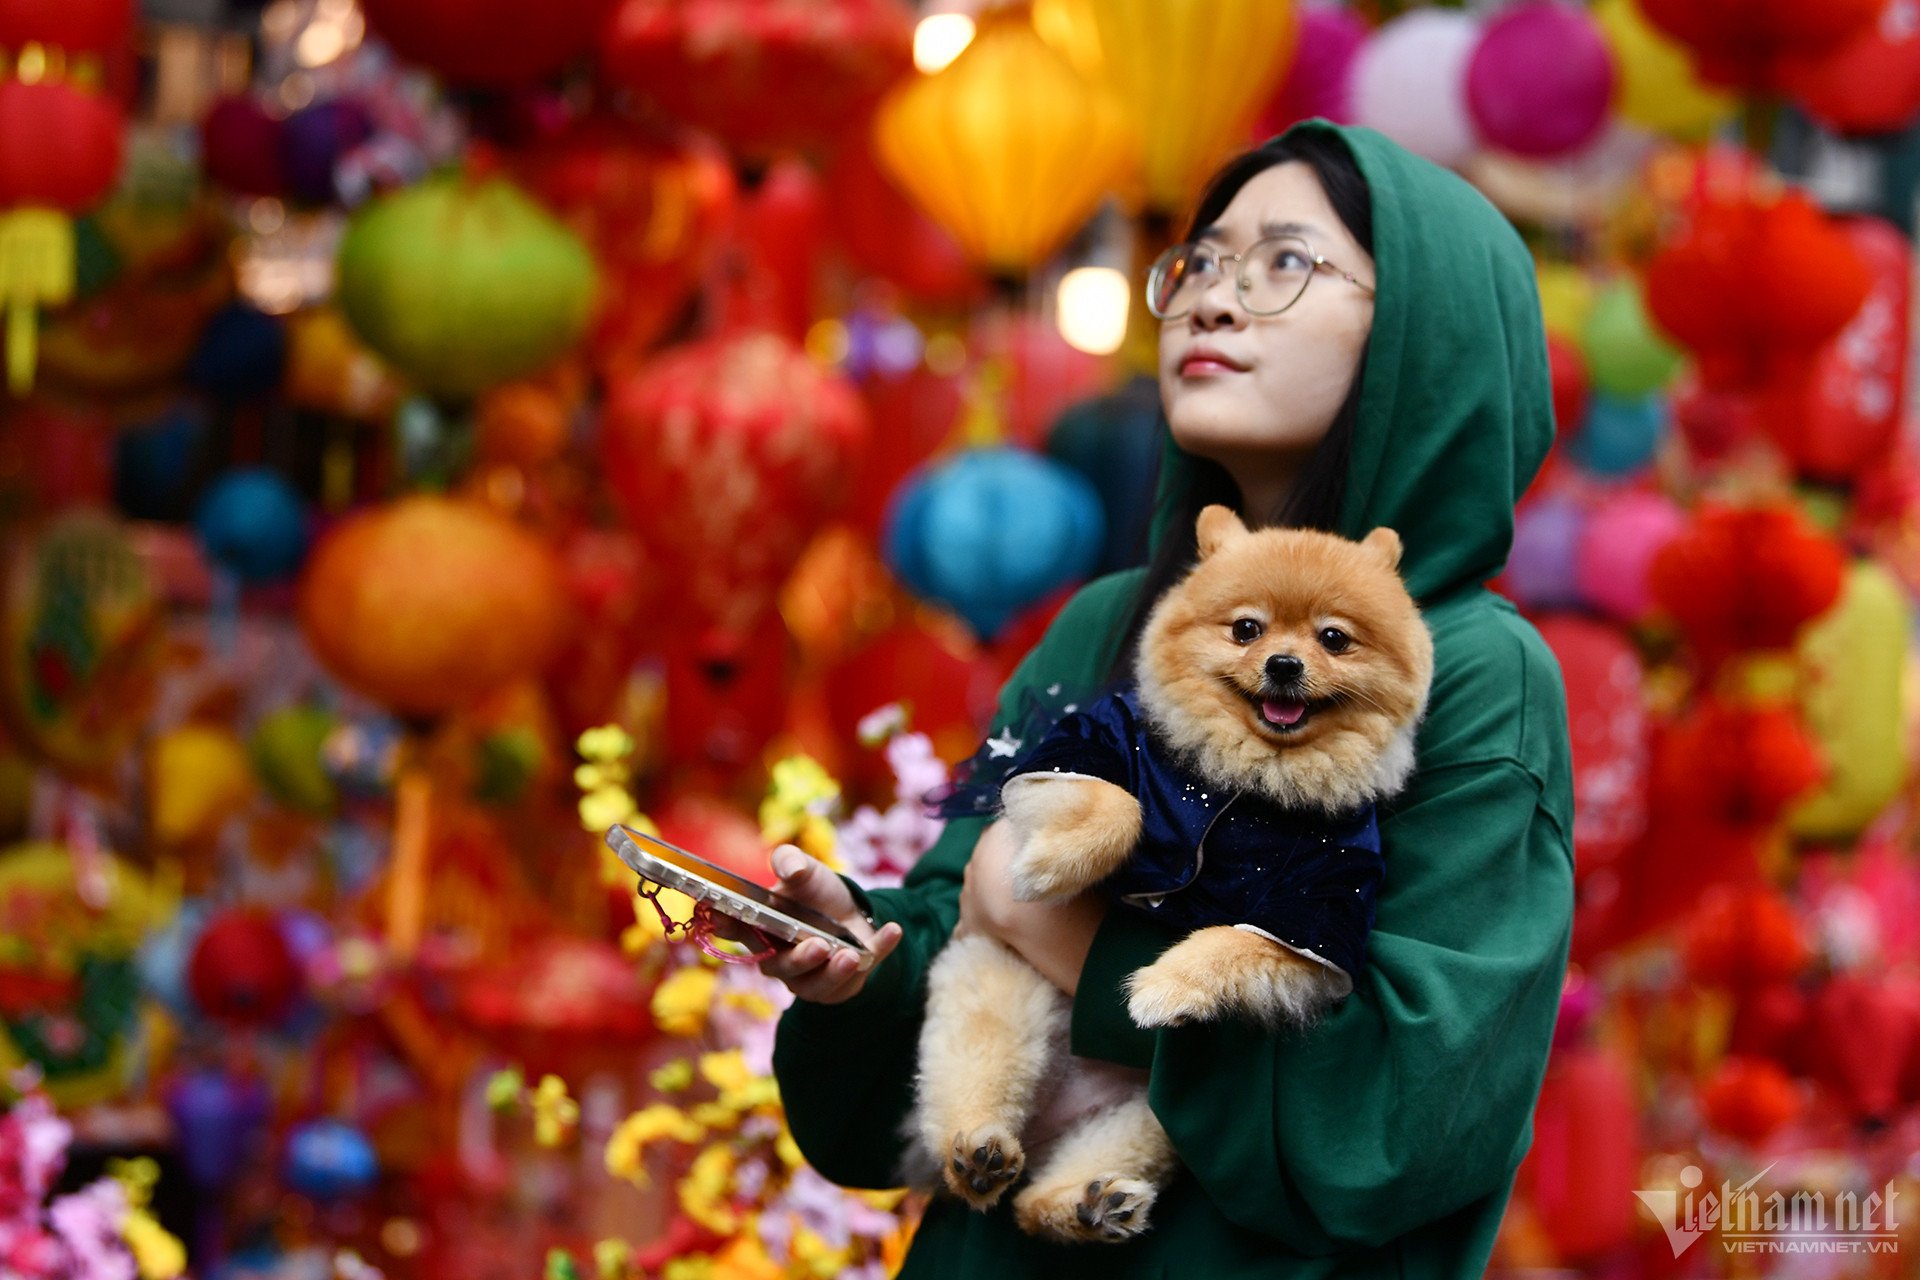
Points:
[1193,74]
[1658,88]
[1852,662]
[1007,147]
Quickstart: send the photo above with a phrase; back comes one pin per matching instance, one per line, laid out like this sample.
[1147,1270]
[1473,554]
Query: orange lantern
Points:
[1007,147]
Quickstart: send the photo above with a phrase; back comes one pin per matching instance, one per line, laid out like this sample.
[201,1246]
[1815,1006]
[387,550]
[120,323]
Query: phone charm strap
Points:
[700,928]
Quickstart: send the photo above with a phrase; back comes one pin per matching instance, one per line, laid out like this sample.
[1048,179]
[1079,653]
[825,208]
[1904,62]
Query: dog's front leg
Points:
[1220,971]
[1075,832]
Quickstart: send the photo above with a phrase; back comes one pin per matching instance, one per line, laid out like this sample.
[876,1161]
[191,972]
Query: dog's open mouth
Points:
[1283,715]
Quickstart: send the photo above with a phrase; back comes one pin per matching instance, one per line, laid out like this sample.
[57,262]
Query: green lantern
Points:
[461,283]
[1626,355]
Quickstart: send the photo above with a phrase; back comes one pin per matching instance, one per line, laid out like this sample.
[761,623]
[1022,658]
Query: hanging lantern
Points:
[1008,147]
[763,75]
[1745,937]
[1320,80]
[1193,78]
[1746,578]
[1659,88]
[1754,44]
[1871,84]
[1749,1099]
[460,283]
[428,603]
[1754,285]
[1541,81]
[495,43]
[1409,82]
[726,455]
[1733,765]
[651,205]
[1585,1158]
[1607,724]
[885,233]
[1852,694]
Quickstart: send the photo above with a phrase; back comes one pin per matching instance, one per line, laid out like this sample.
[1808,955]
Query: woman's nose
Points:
[1218,305]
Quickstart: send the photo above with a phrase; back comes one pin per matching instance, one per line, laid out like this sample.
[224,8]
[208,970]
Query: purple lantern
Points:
[1541,81]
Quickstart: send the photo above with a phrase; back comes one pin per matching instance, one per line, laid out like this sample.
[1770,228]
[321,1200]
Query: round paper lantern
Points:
[1409,82]
[763,77]
[1567,294]
[1114,442]
[75,26]
[1852,693]
[286,749]
[499,43]
[953,693]
[242,971]
[1613,563]
[1770,1022]
[1007,147]
[1541,80]
[1625,356]
[1734,765]
[726,455]
[427,603]
[1607,724]
[992,532]
[1585,1160]
[1754,287]
[884,233]
[776,243]
[240,147]
[216,1116]
[1746,578]
[1659,89]
[84,631]
[462,283]
[1859,1032]
[726,699]
[1745,937]
[1871,84]
[1619,437]
[153,465]
[241,355]
[562,1004]
[327,1161]
[313,140]
[1755,43]
[198,777]
[651,204]
[1192,107]
[912,415]
[252,524]
[1749,1099]
[1540,572]
[1320,81]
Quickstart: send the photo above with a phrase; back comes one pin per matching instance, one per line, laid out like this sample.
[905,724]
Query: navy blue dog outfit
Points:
[1207,856]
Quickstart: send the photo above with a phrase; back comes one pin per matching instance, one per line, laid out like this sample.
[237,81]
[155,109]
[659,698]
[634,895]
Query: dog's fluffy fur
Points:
[993,1045]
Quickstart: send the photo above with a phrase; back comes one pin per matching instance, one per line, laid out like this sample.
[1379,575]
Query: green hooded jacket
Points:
[1384,1141]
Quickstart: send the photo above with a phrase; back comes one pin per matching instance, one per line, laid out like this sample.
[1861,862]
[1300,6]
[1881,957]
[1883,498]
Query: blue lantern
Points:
[328,1160]
[241,355]
[153,466]
[253,525]
[1619,436]
[1114,441]
[993,531]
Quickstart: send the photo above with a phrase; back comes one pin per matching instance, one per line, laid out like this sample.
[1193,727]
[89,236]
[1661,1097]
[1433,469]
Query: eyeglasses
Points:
[1273,274]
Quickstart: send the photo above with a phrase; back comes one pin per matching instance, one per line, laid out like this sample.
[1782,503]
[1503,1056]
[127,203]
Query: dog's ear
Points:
[1384,543]
[1216,527]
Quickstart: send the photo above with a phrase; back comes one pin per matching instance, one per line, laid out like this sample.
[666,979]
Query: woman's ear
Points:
[1216,527]
[1384,543]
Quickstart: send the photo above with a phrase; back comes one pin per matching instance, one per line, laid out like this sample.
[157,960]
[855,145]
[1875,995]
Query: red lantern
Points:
[1734,765]
[1045,373]
[1607,719]
[1745,937]
[1754,287]
[1843,417]
[561,1004]
[1580,1173]
[727,454]
[912,415]
[240,147]
[1860,1031]
[242,969]
[1756,44]
[1749,1099]
[611,587]
[782,227]
[885,233]
[75,26]
[1871,84]
[1746,578]
[651,205]
[727,698]
[500,43]
[938,672]
[1770,1022]
[764,75]
[1569,373]
[429,603]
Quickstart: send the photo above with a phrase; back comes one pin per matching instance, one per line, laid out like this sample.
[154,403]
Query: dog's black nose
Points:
[1284,668]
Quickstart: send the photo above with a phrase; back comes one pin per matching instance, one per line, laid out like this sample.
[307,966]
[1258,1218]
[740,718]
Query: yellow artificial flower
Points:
[683,999]
[705,1191]
[554,1113]
[751,1003]
[726,1069]
[626,1146]
[815,1256]
[608,742]
[504,1089]
[613,1259]
[797,788]
[672,1077]
[786,1148]
[156,1251]
[715,1115]
[691,1266]
[605,807]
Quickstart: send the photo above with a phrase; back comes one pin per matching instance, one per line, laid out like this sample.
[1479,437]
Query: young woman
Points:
[1350,337]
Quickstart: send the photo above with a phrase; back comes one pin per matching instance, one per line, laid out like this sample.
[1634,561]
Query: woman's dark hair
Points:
[1321,487]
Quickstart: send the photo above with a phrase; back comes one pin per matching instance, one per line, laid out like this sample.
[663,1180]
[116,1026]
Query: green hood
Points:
[1456,409]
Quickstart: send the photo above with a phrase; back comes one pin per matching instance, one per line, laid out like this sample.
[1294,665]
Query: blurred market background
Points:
[437,429]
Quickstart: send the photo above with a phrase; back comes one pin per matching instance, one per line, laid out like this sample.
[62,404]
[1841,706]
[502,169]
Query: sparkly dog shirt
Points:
[1209,856]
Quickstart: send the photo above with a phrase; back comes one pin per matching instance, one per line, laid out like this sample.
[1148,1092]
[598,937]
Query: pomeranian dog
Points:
[1229,792]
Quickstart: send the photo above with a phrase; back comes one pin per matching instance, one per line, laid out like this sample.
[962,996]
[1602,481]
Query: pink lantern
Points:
[1617,547]
[1409,82]
[1541,80]
[1318,82]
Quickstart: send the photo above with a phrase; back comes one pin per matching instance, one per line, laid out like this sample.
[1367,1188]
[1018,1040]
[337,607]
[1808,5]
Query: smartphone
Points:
[654,859]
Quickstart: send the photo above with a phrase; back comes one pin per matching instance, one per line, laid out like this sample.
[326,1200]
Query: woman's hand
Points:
[812,969]
[1053,936]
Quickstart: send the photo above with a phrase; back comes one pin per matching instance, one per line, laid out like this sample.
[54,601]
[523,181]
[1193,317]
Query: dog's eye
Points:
[1334,640]
[1246,630]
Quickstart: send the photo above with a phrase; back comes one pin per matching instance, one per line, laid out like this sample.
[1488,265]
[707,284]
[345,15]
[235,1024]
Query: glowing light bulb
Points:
[939,39]
[1091,309]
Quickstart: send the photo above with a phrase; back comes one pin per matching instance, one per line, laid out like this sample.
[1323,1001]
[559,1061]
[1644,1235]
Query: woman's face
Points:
[1274,383]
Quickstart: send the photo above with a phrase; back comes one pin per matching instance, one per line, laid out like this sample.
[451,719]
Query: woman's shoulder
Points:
[1497,691]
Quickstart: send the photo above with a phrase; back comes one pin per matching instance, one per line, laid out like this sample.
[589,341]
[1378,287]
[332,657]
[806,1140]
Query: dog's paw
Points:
[1167,994]
[1108,1209]
[982,1164]
[1047,866]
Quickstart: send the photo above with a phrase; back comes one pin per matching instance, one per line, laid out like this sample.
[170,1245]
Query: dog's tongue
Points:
[1282,712]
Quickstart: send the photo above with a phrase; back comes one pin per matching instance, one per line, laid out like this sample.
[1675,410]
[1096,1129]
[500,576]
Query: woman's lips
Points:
[1202,364]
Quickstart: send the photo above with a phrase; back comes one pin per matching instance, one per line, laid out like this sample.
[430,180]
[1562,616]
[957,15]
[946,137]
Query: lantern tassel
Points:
[36,270]
[406,889]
